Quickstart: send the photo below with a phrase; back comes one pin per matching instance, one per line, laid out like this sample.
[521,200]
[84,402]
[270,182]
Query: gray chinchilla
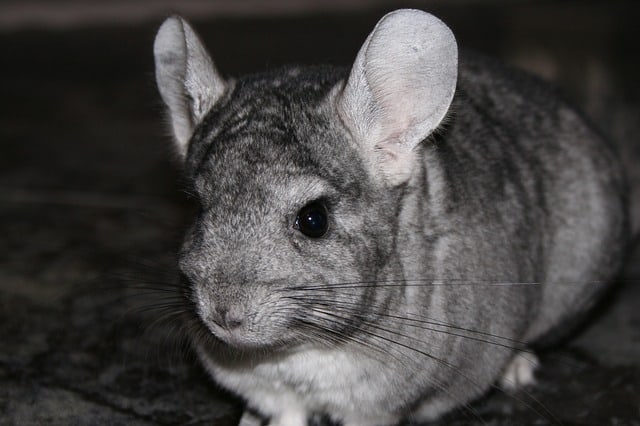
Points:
[383,244]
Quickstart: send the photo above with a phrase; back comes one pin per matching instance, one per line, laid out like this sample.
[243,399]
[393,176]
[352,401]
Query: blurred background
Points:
[91,207]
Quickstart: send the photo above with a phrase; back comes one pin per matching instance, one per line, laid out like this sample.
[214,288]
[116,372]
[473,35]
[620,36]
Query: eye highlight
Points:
[313,220]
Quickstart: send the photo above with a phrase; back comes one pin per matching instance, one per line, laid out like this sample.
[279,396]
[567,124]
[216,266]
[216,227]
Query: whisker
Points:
[417,282]
[439,281]
[421,322]
[170,306]
[439,385]
[455,368]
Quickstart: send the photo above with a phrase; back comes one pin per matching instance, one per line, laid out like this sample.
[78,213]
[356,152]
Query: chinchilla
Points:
[383,244]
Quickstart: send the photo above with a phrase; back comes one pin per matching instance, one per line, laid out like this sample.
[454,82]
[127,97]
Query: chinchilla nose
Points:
[229,317]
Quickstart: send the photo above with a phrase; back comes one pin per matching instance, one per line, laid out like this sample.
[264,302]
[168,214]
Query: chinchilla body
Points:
[465,212]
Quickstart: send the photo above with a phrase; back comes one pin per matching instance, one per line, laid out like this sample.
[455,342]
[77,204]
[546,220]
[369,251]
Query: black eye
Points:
[312,220]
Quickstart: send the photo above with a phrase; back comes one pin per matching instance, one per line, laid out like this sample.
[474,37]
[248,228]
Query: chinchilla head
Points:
[299,174]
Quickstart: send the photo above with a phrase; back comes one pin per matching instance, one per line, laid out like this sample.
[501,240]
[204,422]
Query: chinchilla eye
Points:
[312,220]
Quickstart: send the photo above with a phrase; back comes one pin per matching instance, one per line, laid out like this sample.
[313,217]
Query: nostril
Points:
[229,317]
[233,322]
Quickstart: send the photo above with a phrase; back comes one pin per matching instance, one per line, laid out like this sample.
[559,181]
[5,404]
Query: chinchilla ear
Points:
[187,79]
[399,90]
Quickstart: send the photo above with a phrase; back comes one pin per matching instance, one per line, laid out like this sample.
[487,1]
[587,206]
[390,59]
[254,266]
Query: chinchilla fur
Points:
[384,243]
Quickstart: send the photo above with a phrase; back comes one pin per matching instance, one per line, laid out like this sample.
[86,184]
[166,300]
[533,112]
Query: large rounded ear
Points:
[187,79]
[399,90]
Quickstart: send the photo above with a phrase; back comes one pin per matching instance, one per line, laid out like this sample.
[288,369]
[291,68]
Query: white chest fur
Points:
[341,383]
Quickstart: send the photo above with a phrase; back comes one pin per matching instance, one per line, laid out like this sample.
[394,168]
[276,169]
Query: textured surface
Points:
[91,210]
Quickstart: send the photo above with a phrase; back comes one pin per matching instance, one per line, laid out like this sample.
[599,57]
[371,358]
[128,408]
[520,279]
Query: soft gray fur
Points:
[472,213]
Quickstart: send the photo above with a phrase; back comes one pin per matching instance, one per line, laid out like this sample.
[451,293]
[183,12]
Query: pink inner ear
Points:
[399,89]
[395,161]
[186,76]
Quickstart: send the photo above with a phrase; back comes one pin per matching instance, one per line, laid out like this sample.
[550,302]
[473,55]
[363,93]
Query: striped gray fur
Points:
[453,244]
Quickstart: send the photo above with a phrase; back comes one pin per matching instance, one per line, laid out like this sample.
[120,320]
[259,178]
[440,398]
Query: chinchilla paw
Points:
[250,419]
[520,371]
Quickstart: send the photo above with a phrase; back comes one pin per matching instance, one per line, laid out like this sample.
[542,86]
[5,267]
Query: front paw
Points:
[520,372]
[290,418]
[287,418]
[250,419]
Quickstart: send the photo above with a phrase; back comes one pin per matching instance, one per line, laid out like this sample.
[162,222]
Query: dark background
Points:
[91,209]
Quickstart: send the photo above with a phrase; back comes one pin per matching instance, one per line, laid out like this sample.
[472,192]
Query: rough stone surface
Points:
[91,214]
